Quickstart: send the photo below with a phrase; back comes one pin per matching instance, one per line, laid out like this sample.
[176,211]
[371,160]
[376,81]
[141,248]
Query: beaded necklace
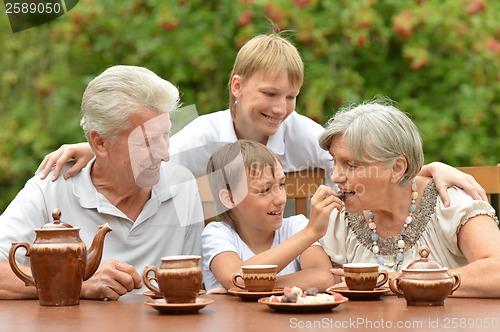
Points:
[400,245]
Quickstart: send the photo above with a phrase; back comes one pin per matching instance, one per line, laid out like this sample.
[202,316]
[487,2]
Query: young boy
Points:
[248,183]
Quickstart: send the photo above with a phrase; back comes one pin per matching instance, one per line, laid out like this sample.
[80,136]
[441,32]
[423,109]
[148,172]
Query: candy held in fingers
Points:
[341,195]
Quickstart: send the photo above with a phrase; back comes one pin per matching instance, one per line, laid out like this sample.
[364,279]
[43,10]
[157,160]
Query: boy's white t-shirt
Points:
[218,237]
[295,142]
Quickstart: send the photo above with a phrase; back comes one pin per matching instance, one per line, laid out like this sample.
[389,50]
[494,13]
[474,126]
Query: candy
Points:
[311,291]
[337,297]
[275,298]
[297,290]
[289,298]
[310,296]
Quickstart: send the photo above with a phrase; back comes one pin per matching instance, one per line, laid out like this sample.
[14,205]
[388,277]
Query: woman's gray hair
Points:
[377,131]
[119,92]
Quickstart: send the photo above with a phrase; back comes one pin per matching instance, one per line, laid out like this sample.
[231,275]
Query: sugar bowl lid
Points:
[57,224]
[424,263]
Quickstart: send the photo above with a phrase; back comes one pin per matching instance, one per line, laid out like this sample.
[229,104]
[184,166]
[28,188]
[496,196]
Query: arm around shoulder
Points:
[446,176]
[81,152]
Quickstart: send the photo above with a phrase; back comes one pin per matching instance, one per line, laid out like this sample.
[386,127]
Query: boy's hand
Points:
[322,204]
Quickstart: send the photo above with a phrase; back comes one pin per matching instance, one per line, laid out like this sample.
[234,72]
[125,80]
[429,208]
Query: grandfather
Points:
[152,205]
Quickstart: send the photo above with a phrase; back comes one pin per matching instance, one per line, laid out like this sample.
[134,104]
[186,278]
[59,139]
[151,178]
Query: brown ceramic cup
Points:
[364,276]
[256,278]
[179,278]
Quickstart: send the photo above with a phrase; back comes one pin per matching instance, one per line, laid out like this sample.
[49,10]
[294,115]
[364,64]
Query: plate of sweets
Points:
[296,300]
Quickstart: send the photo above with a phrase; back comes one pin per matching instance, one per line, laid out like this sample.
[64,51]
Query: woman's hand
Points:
[80,152]
[445,176]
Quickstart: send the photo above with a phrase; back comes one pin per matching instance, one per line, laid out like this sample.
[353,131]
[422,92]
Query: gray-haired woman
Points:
[390,212]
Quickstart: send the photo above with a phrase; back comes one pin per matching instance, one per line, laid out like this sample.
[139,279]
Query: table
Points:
[230,313]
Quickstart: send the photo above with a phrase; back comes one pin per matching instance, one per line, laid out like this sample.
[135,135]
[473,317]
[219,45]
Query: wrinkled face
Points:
[363,184]
[148,146]
[264,102]
[262,207]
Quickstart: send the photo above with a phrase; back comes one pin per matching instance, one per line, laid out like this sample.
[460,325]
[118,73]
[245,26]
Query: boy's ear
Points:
[226,198]
[236,85]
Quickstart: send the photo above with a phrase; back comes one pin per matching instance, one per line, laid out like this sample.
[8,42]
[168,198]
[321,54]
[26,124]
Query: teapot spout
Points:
[95,251]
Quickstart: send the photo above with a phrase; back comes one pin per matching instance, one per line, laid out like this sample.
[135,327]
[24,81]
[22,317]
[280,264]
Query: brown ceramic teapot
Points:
[59,261]
[425,282]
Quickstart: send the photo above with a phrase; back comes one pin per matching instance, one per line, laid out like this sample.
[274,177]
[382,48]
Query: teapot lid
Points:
[57,224]
[424,263]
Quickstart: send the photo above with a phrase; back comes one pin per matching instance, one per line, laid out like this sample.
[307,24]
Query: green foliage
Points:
[438,59]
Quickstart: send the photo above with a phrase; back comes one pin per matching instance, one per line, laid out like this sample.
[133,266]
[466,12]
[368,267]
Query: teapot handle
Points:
[28,280]
[456,281]
[394,286]
[147,279]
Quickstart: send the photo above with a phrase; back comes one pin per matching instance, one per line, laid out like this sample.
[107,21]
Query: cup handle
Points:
[235,282]
[384,278]
[394,286]
[456,281]
[147,279]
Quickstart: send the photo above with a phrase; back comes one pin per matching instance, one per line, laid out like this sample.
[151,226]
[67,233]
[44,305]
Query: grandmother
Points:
[390,212]
[152,206]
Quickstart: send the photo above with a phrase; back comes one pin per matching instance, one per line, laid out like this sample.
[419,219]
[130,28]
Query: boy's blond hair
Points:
[269,54]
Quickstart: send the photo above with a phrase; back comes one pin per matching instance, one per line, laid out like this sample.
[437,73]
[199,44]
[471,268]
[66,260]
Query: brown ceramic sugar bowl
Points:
[179,278]
[59,261]
[257,278]
[425,282]
[363,276]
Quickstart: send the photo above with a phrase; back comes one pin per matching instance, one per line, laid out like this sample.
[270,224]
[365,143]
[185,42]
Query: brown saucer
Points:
[155,296]
[301,307]
[253,296]
[356,295]
[179,308]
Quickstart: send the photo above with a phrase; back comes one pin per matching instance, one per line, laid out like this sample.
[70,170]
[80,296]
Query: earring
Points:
[236,102]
